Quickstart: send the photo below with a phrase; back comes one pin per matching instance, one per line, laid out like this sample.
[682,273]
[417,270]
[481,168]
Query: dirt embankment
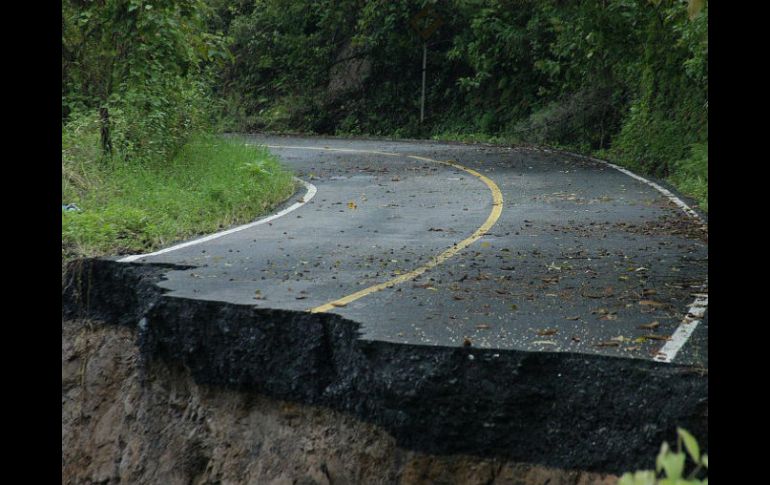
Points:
[124,423]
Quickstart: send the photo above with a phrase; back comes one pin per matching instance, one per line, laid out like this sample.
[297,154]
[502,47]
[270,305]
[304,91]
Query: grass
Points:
[211,183]
[691,175]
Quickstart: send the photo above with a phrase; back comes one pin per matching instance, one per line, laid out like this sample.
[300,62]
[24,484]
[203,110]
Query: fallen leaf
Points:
[657,337]
[547,332]
[572,318]
[652,303]
[482,326]
[608,344]
[352,205]
[603,294]
[650,326]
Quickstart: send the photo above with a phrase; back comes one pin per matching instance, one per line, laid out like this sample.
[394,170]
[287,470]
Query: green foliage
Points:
[691,174]
[80,151]
[669,112]
[628,77]
[283,51]
[211,183]
[145,66]
[672,465]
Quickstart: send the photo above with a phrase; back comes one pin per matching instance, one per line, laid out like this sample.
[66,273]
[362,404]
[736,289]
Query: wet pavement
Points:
[583,258]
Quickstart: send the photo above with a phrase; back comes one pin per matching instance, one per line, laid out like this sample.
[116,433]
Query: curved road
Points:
[448,244]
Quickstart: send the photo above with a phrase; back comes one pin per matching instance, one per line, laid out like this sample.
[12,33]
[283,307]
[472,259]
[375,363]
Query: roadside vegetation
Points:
[145,85]
[141,166]
[626,80]
[672,466]
[208,184]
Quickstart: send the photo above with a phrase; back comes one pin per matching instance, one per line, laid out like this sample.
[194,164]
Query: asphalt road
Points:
[415,245]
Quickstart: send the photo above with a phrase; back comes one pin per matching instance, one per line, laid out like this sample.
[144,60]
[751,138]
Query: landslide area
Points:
[124,421]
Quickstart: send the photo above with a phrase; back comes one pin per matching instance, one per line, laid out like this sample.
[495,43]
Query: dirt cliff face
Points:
[563,410]
[126,423]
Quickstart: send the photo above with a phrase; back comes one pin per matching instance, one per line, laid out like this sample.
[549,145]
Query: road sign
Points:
[426,21]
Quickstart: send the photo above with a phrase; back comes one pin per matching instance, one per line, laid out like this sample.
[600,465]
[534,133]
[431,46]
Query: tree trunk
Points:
[104,116]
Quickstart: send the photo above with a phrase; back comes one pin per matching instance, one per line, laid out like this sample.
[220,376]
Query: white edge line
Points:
[666,354]
[669,195]
[697,309]
[311,191]
[685,329]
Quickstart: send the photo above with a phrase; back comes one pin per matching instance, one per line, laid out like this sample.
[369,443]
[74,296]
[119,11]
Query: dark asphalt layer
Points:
[581,257]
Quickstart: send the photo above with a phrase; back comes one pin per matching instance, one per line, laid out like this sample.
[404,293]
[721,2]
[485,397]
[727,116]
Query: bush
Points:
[145,68]
[626,77]
[672,465]
[583,120]
[691,174]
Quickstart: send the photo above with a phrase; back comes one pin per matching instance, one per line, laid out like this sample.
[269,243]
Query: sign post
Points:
[422,99]
[424,23]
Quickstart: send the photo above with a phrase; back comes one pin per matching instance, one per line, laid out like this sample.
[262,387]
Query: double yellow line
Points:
[494,215]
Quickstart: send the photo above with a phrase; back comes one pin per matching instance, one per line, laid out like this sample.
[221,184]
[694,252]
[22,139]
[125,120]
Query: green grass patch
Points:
[211,183]
[691,175]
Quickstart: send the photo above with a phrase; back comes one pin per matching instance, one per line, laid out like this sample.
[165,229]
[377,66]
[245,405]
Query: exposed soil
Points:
[123,422]
[555,409]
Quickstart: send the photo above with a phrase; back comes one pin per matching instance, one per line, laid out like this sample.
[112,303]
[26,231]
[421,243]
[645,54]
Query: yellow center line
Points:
[494,215]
